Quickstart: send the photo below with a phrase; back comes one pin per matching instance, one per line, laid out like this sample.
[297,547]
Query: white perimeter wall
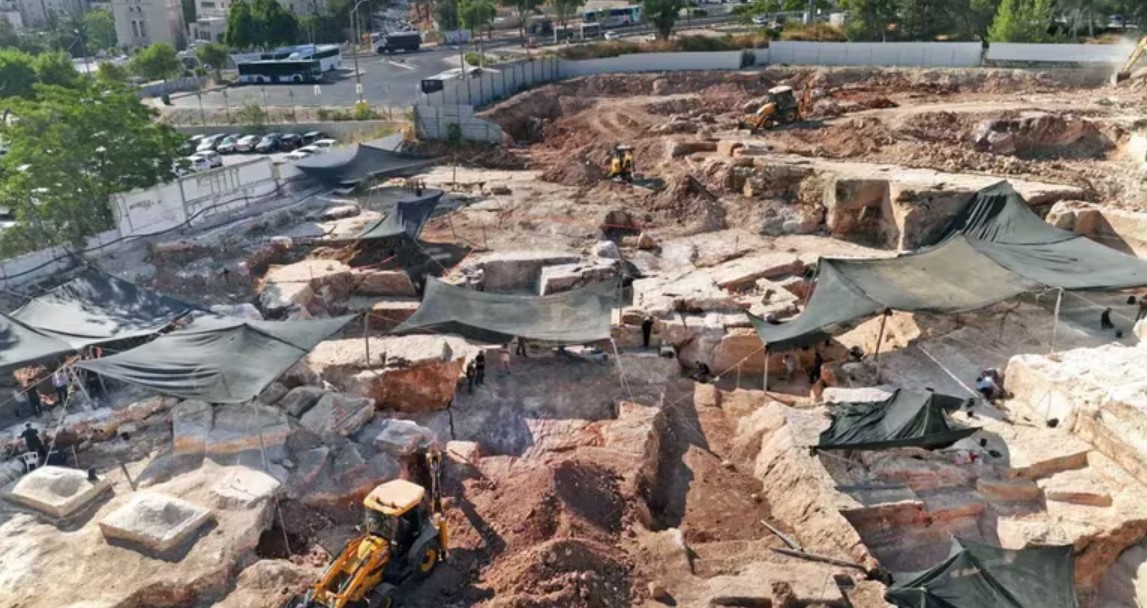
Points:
[1060,53]
[652,62]
[915,54]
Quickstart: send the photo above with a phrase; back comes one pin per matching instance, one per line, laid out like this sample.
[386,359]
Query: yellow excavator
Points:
[621,164]
[780,108]
[402,539]
[1125,72]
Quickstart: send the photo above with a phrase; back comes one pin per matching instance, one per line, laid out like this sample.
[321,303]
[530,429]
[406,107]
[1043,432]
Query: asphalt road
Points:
[387,80]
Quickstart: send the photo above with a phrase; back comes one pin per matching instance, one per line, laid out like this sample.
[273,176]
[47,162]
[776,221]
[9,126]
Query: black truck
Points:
[398,41]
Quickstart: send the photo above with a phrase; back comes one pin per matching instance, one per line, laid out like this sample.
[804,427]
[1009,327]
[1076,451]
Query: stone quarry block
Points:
[516,270]
[742,273]
[243,488]
[403,438]
[300,399]
[1079,486]
[466,453]
[311,284]
[56,491]
[564,277]
[272,393]
[389,313]
[236,428]
[1008,490]
[155,521]
[307,468]
[191,422]
[385,283]
[349,477]
[606,249]
[338,414]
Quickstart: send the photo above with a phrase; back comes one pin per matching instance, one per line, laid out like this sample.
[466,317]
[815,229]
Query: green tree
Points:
[662,15]
[242,27]
[446,14]
[566,9]
[156,62]
[278,26]
[17,73]
[214,55]
[109,73]
[870,18]
[1022,21]
[75,148]
[924,19]
[189,13]
[522,8]
[474,14]
[56,69]
[99,30]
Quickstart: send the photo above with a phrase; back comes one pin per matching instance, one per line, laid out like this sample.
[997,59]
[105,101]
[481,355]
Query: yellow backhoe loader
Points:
[403,537]
[621,164]
[780,108]
[1125,72]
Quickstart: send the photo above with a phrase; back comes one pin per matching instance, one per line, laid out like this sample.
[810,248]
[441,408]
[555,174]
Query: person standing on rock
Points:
[33,395]
[471,373]
[646,331]
[32,441]
[521,348]
[1105,320]
[480,368]
[60,381]
[504,356]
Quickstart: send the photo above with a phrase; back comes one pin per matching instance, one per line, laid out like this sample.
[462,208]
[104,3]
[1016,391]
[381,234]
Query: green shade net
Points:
[981,576]
[907,418]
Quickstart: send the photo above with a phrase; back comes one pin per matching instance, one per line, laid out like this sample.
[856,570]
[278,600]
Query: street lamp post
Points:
[354,48]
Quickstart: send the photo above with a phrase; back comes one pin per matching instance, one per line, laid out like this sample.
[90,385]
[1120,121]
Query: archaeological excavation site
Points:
[658,347]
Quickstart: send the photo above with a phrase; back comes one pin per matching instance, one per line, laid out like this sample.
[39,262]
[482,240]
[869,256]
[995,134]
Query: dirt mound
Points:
[1042,135]
[562,572]
[299,544]
[670,107]
[579,172]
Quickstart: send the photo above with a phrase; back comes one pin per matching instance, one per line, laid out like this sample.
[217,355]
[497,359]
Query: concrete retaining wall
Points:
[433,122]
[913,54]
[194,199]
[652,62]
[175,85]
[1059,53]
[25,268]
[503,80]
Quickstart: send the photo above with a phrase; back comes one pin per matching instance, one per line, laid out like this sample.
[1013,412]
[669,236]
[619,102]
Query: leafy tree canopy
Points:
[662,15]
[156,62]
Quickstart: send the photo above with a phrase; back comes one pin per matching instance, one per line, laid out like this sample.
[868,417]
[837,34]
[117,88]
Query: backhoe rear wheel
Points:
[426,558]
[381,597]
[790,116]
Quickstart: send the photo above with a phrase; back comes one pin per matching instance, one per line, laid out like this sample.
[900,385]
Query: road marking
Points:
[405,66]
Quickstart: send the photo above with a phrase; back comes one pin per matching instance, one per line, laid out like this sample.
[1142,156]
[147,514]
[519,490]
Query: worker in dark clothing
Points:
[1105,320]
[817,363]
[521,348]
[480,369]
[33,395]
[33,442]
[646,331]
[1142,309]
[471,373]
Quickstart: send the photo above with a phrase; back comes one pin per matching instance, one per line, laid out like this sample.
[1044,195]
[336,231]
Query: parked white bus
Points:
[330,56]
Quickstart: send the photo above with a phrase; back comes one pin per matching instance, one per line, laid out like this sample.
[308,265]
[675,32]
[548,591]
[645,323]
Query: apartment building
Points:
[140,23]
[34,13]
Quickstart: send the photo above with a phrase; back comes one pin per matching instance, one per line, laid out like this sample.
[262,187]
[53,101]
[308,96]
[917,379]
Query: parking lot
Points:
[387,80]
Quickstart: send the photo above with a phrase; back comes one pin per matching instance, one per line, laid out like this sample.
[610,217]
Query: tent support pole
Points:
[880,337]
[738,376]
[765,376]
[365,336]
[1055,322]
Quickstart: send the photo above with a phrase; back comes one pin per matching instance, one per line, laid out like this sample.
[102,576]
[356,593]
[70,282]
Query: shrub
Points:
[473,58]
[362,111]
[817,32]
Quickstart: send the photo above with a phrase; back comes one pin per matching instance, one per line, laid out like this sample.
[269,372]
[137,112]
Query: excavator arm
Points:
[1125,72]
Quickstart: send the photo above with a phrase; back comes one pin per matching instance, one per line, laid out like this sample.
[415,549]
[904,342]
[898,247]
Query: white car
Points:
[213,157]
[325,144]
[312,150]
[611,35]
[247,143]
[299,154]
[198,163]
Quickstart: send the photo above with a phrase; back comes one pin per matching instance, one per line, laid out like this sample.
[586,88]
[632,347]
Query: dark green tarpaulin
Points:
[573,317]
[407,219]
[21,345]
[218,360]
[994,249]
[95,308]
[976,575]
[907,418]
[350,165]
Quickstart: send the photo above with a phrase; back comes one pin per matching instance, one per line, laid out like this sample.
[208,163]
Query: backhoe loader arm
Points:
[1140,49]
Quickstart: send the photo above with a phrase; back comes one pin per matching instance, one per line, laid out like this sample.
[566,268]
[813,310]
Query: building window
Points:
[143,29]
[135,28]
[207,4]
